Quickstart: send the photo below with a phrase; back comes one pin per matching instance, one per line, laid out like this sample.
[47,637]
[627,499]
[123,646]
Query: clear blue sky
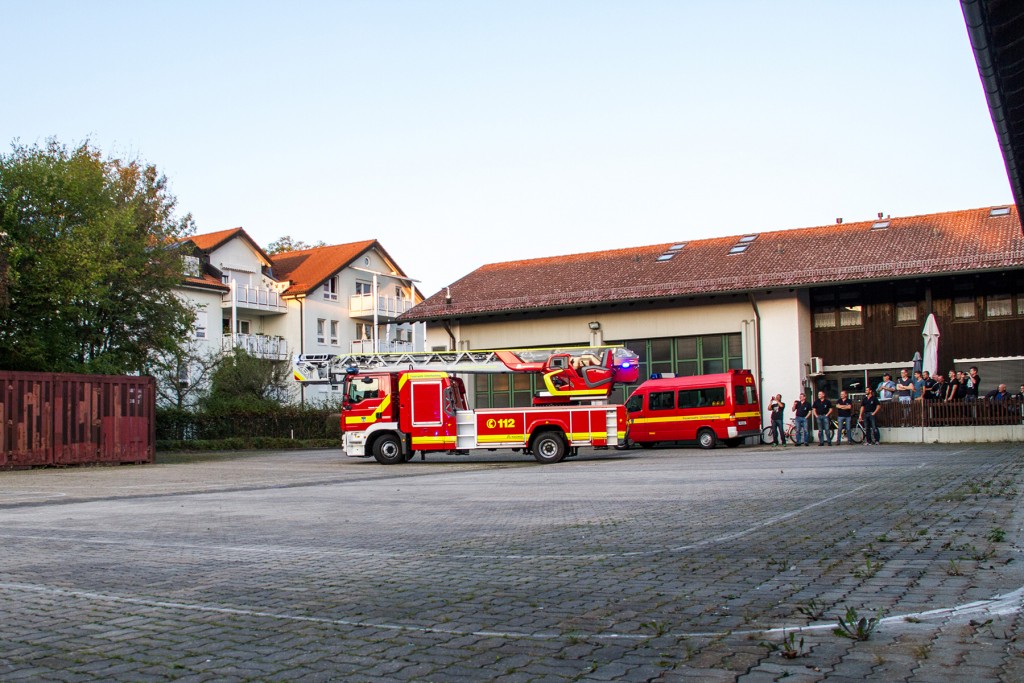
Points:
[465,133]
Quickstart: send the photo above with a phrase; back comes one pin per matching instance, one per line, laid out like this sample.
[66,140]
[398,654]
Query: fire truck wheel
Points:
[706,438]
[387,450]
[548,448]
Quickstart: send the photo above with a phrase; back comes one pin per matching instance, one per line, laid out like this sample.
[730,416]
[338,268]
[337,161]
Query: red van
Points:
[704,408]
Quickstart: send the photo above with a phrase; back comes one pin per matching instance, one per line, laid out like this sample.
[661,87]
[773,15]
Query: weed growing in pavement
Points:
[996,535]
[954,568]
[868,570]
[660,628]
[855,627]
[812,610]
[790,647]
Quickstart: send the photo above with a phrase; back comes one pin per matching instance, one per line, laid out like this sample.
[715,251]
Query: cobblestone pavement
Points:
[659,565]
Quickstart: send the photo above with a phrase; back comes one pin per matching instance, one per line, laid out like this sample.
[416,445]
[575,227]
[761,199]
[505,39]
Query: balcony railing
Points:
[366,346]
[258,346]
[922,413]
[256,298]
[361,306]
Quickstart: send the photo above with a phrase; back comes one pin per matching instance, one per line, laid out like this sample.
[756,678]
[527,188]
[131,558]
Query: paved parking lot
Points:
[660,565]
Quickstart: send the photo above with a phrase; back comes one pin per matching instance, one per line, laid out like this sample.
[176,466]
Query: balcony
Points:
[388,307]
[258,346]
[252,298]
[366,346]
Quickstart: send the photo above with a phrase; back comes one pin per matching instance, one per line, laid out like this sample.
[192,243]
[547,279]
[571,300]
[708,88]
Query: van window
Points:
[634,404]
[702,398]
[745,395]
[660,400]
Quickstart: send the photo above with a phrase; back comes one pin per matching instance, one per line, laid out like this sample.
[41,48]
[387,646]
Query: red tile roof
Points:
[211,240]
[207,281]
[307,269]
[912,246]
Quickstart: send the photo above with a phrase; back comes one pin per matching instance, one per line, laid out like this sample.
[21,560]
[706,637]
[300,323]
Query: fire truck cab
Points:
[392,415]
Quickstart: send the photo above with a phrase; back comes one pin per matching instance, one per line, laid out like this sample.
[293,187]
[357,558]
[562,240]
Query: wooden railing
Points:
[922,413]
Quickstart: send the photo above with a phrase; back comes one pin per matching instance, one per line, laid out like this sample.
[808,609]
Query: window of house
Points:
[363,287]
[200,327]
[828,311]
[331,288]
[998,306]
[1020,303]
[362,331]
[824,316]
[964,308]
[190,266]
[906,312]
[243,326]
[334,332]
[321,325]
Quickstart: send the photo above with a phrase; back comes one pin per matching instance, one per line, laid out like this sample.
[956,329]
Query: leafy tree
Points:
[245,383]
[87,261]
[183,375]
[286,243]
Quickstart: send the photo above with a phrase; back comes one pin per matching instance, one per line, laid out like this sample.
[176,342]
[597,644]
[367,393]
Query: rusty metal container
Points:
[69,419]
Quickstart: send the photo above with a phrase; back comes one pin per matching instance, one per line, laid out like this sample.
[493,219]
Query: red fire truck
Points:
[394,414]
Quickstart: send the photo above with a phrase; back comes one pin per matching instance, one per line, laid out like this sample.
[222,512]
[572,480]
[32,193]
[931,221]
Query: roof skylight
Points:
[999,211]
[672,251]
[880,225]
[743,244]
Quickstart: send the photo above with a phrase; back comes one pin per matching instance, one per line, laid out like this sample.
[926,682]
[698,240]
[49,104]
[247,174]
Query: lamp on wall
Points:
[594,325]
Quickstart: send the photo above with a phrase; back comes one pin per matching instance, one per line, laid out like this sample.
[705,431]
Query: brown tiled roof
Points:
[211,240]
[912,246]
[207,281]
[307,269]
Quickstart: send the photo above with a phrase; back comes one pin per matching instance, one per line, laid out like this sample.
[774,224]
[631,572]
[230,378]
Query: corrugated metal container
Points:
[68,419]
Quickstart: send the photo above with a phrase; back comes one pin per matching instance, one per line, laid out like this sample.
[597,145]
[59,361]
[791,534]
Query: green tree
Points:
[88,261]
[286,243]
[244,383]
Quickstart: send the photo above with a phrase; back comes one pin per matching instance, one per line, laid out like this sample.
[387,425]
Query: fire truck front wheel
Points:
[706,438]
[548,448]
[387,450]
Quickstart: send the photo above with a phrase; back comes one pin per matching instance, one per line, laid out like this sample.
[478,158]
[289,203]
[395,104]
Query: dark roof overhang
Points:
[996,31]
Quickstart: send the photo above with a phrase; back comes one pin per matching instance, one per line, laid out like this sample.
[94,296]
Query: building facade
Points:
[325,300]
[829,307]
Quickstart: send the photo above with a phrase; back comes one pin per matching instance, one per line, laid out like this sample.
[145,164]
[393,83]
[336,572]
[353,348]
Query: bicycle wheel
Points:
[857,433]
[766,434]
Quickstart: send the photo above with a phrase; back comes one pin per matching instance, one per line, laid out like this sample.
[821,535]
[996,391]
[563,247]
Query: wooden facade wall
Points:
[880,339]
[68,419]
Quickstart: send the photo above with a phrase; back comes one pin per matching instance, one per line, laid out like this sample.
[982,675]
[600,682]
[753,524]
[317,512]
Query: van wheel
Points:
[387,450]
[706,438]
[548,448]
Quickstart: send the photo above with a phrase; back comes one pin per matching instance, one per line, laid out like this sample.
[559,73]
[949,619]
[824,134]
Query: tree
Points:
[88,261]
[246,383]
[286,243]
[183,375]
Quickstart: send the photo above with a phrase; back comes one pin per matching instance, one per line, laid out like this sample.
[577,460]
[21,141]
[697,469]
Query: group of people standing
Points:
[960,386]
[820,411]
[817,415]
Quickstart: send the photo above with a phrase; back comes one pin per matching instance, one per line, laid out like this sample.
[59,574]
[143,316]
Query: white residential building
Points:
[324,300]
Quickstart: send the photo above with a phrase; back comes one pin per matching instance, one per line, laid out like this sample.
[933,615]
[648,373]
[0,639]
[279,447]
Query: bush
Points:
[178,428]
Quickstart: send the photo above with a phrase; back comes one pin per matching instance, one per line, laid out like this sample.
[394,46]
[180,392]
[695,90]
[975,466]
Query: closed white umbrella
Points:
[930,362]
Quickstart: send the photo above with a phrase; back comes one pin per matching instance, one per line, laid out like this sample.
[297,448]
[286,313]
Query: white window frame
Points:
[334,332]
[331,288]
[202,321]
[321,324]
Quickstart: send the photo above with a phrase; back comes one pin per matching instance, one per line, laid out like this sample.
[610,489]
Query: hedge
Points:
[280,428]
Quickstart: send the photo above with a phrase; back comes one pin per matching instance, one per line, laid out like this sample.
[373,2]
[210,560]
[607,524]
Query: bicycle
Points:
[856,431]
